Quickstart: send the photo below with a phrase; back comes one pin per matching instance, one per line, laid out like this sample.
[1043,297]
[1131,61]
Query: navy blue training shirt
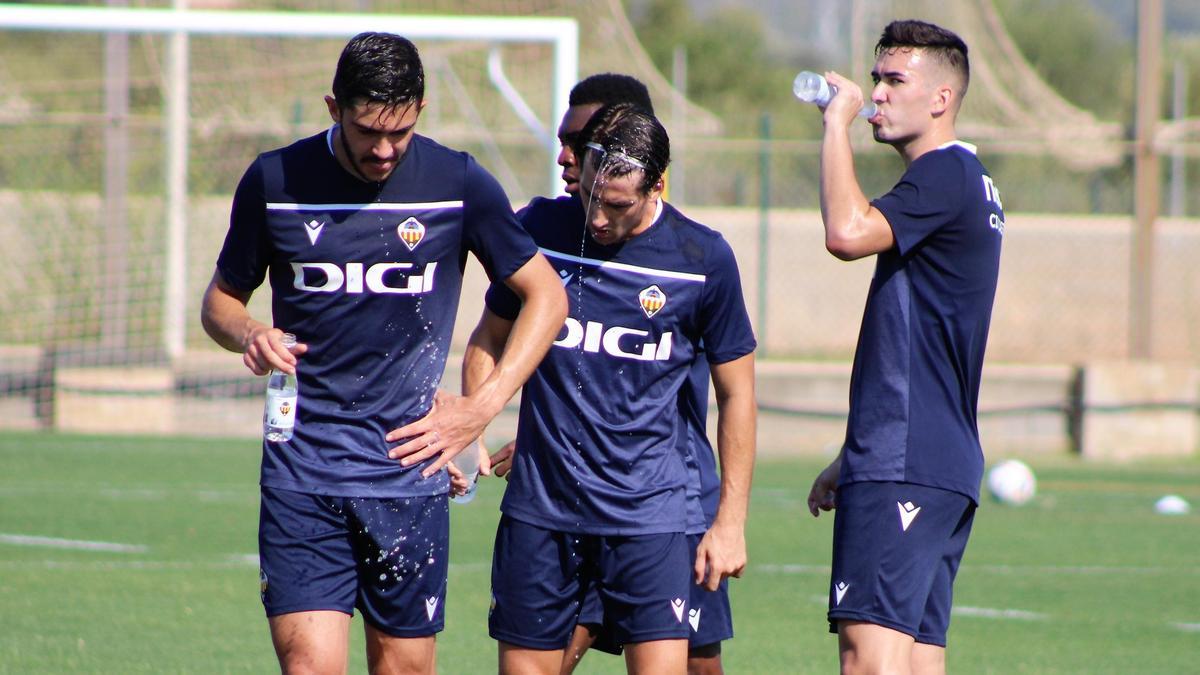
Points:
[704,483]
[368,275]
[915,384]
[601,436]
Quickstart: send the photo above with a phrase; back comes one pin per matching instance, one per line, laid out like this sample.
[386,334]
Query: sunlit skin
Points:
[616,208]
[912,91]
[371,138]
[573,121]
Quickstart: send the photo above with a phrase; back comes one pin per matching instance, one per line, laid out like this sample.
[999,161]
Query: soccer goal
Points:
[125,130]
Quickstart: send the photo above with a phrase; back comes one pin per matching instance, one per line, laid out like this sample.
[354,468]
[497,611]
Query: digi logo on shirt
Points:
[618,341]
[383,277]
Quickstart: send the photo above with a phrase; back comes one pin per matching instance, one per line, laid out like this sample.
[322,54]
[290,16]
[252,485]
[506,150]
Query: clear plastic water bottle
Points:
[467,462]
[813,88]
[279,414]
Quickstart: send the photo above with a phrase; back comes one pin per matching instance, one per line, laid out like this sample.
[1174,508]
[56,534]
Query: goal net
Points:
[125,132]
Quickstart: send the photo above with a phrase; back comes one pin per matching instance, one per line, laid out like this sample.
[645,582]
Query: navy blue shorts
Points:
[896,550]
[540,578]
[709,615]
[387,557]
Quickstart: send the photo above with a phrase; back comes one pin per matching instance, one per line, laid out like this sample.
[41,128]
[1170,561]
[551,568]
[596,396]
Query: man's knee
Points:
[390,655]
[311,642]
[705,660]
[869,649]
[928,659]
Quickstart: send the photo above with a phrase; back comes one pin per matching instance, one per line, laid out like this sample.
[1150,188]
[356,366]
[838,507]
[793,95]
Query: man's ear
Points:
[656,190]
[943,99]
[335,111]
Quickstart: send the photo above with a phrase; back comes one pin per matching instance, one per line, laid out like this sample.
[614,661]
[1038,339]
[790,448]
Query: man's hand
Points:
[458,481]
[452,423]
[846,103]
[501,462]
[823,495]
[263,350]
[721,554]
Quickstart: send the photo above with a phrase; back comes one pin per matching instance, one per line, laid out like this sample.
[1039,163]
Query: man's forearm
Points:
[539,322]
[736,437]
[483,351]
[843,204]
[225,318]
[736,423]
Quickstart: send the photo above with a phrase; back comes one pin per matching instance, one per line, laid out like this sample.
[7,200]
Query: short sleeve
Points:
[246,253]
[502,301]
[490,229]
[928,197]
[725,327]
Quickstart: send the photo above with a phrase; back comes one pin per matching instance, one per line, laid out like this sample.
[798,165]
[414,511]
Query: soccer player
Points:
[709,613]
[364,230]
[596,500]
[588,96]
[906,482]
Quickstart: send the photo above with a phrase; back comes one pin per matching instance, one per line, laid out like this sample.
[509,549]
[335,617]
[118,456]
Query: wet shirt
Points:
[368,275]
[601,439]
[915,384]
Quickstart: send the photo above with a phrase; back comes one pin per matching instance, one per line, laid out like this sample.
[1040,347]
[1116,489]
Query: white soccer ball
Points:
[1172,505]
[1012,482]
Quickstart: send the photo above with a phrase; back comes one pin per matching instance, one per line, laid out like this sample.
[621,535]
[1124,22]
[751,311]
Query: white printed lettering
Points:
[595,338]
[990,192]
[354,279]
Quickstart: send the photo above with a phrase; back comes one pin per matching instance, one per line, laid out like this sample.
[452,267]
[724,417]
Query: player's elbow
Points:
[556,304]
[208,313]
[842,247]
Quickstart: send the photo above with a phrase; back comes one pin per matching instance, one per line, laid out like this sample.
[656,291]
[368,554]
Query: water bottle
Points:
[813,88]
[279,414]
[467,462]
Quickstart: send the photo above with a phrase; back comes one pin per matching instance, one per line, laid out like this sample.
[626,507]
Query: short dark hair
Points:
[945,46]
[626,131]
[379,68]
[610,89]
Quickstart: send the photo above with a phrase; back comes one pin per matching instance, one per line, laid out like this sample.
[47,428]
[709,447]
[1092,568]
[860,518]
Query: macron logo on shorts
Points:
[839,591]
[431,604]
[677,607]
[908,513]
[694,618]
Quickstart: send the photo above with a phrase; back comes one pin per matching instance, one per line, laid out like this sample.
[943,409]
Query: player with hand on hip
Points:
[363,230]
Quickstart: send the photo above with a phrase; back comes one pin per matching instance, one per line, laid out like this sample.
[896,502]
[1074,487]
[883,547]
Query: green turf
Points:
[1087,579]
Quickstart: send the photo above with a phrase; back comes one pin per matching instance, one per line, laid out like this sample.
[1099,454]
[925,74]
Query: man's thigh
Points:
[709,615]
[645,586]
[538,579]
[401,547]
[387,557]
[305,554]
[314,642]
[892,545]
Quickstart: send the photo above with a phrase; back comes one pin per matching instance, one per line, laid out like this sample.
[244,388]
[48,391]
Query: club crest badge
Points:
[411,232]
[652,299]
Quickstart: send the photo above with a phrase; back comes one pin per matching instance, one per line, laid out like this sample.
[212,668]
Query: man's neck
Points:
[910,151]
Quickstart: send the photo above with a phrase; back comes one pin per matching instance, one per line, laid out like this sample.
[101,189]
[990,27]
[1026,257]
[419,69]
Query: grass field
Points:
[1087,579]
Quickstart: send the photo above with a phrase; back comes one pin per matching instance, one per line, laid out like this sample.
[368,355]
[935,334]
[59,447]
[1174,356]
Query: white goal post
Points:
[179,23]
